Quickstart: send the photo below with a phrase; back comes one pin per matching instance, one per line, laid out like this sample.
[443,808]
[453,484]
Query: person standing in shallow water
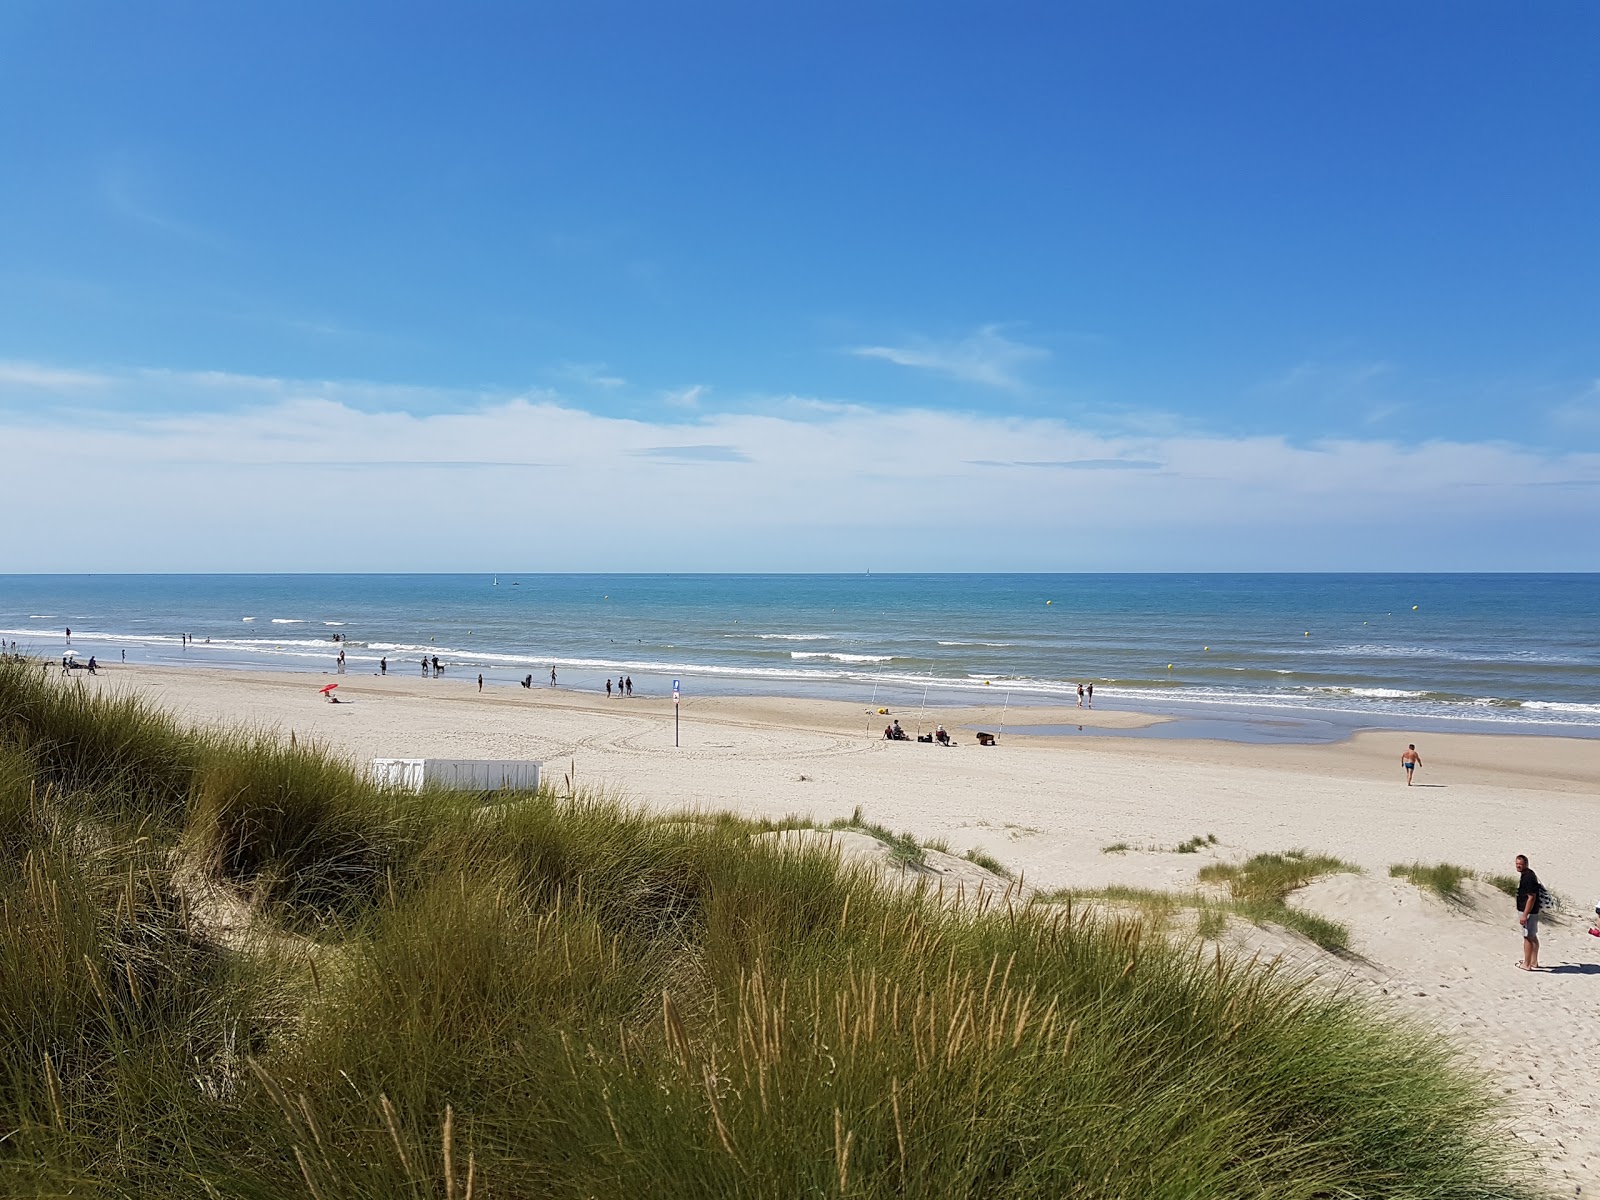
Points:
[1080,695]
[1410,760]
[608,687]
[552,677]
[480,683]
[1089,691]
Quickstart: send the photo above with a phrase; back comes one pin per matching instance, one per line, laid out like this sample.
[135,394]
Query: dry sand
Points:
[1047,807]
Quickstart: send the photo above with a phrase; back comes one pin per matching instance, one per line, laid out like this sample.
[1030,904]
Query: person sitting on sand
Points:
[1410,760]
[940,736]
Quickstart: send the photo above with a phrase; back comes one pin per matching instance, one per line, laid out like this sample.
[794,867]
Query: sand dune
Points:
[1048,806]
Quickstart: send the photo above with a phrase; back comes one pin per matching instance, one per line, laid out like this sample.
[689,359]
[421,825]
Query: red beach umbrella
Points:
[329,688]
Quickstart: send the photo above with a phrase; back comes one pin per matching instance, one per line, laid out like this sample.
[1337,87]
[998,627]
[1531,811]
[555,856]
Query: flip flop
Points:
[1522,966]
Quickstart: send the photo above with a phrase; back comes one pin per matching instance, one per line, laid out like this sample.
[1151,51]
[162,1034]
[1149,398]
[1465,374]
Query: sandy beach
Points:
[1048,806]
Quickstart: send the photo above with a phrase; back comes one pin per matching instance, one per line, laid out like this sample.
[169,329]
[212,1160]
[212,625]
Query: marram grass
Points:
[558,997]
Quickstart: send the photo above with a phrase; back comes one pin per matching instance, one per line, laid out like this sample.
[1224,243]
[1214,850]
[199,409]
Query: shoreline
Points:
[1153,716]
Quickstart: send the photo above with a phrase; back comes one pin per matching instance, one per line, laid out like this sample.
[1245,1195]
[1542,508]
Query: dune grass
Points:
[1442,879]
[567,997]
[1271,877]
[1191,845]
[904,849]
[989,863]
[1211,912]
[1258,890]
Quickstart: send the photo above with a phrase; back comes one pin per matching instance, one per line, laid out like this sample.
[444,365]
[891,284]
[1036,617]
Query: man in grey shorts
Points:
[1528,913]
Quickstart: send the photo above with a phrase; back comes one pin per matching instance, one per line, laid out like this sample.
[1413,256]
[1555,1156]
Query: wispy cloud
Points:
[20,375]
[987,357]
[1582,412]
[1093,464]
[594,375]
[1328,378]
[693,454]
[126,190]
[688,397]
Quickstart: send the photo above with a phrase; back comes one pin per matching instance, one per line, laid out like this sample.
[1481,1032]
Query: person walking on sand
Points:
[1410,760]
[1528,891]
[629,682]
[552,677]
[480,684]
[383,665]
[608,687]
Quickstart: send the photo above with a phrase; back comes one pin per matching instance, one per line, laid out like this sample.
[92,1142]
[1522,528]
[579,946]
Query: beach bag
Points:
[1546,900]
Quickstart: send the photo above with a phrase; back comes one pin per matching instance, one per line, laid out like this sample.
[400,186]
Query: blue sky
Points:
[718,286]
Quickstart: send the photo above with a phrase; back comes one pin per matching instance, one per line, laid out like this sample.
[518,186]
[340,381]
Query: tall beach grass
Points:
[568,997]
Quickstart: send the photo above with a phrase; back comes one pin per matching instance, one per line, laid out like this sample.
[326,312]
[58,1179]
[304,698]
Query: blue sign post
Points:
[676,692]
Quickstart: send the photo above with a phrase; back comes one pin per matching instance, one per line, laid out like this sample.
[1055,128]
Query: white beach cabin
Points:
[457,774]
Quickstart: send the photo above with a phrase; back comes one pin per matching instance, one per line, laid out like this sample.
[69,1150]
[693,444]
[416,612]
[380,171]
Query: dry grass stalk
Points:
[393,1126]
[842,1141]
[448,1138]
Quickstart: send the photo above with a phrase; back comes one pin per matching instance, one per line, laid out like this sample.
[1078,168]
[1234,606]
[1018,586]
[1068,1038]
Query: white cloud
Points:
[295,475]
[987,357]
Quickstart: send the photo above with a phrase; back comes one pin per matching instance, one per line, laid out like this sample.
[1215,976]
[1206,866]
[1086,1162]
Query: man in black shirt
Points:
[1528,913]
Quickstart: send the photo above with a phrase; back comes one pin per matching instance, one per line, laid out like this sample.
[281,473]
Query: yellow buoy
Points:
[1208,649]
[1049,601]
[1169,666]
[1413,608]
[1308,633]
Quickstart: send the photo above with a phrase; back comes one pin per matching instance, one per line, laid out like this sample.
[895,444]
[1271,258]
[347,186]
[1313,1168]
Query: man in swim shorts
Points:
[1410,760]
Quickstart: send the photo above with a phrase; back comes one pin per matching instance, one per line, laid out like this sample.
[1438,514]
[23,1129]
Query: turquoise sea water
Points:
[1517,651]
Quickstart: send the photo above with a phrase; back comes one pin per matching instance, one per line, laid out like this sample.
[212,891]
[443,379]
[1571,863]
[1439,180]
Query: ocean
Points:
[1511,652]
